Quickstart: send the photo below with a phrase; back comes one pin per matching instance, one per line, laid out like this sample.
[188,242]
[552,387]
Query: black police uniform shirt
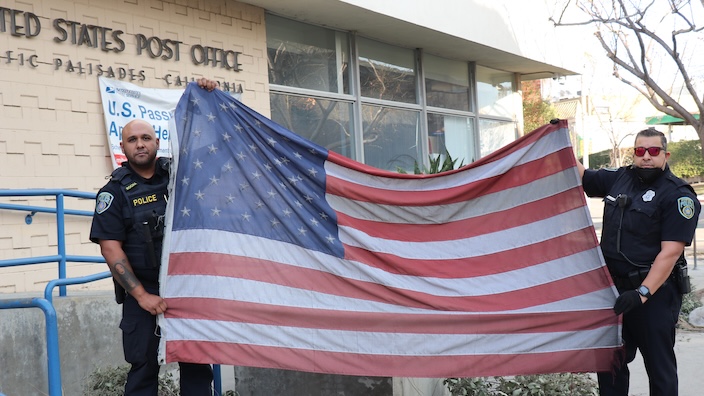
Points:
[109,221]
[665,210]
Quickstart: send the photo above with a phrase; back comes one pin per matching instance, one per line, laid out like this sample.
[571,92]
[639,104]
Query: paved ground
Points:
[689,346]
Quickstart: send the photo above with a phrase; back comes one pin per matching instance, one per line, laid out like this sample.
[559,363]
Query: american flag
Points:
[282,254]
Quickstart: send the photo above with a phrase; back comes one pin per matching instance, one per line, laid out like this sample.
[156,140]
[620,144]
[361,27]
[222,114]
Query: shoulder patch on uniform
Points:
[103,202]
[686,207]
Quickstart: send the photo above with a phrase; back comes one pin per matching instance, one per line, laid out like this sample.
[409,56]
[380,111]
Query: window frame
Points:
[358,101]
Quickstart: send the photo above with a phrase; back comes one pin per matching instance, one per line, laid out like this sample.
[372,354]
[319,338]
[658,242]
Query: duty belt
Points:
[634,278]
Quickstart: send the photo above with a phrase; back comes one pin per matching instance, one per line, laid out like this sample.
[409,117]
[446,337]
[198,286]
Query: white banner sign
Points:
[124,102]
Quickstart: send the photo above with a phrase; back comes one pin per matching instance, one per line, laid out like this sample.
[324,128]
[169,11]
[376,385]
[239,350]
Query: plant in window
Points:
[439,164]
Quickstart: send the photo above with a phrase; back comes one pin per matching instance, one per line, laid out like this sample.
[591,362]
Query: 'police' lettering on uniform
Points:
[144,200]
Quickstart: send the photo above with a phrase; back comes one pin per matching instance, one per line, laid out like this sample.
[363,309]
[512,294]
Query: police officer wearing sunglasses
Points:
[650,215]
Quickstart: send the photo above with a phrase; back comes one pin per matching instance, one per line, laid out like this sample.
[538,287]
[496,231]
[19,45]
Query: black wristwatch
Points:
[644,291]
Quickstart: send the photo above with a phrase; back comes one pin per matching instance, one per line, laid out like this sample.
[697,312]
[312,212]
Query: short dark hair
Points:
[650,132]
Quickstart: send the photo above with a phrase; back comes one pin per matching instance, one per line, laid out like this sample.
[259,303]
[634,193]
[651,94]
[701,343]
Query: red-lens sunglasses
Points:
[653,151]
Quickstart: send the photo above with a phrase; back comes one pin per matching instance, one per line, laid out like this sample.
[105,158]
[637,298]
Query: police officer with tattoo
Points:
[650,215]
[128,224]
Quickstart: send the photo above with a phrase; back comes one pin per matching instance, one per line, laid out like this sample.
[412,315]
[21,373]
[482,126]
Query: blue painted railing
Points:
[49,289]
[52,337]
[46,303]
[61,257]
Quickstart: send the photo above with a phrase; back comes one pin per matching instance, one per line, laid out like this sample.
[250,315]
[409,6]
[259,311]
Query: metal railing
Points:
[49,289]
[61,257]
[46,303]
[694,250]
[52,337]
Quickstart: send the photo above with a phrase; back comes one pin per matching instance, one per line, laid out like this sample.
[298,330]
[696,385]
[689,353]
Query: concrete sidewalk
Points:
[689,346]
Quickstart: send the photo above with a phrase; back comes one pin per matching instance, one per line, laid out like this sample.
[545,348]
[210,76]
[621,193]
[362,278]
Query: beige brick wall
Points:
[52,131]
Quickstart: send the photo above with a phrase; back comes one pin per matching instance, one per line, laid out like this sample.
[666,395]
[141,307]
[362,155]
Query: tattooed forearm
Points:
[125,276]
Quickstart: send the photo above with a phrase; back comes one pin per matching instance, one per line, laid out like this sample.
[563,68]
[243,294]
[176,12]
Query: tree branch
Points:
[626,23]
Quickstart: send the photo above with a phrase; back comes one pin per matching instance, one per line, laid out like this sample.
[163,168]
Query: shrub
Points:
[110,381]
[690,302]
[524,385]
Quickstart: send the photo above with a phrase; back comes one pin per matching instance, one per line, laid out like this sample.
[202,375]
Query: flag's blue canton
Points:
[239,171]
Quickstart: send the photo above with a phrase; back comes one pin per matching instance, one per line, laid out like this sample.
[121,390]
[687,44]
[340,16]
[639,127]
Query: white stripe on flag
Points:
[375,343]
[236,289]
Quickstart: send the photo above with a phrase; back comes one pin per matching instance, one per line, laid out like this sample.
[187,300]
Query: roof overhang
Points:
[666,119]
[341,15]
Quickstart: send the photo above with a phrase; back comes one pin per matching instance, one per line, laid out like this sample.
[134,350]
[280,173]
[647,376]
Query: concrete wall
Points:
[89,337]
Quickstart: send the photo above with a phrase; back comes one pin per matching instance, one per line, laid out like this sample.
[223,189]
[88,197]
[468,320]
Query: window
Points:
[325,122]
[402,106]
[495,93]
[453,135]
[305,56]
[309,62]
[498,106]
[495,134]
[386,72]
[446,83]
[447,90]
[391,137]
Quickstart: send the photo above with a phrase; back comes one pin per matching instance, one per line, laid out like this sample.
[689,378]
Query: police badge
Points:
[686,207]
[103,202]
[648,196]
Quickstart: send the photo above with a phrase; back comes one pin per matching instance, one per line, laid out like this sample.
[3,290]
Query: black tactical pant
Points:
[651,329]
[140,345]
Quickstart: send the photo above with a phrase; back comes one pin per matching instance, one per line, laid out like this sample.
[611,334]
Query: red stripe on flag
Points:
[330,319]
[385,365]
[514,177]
[490,222]
[309,279]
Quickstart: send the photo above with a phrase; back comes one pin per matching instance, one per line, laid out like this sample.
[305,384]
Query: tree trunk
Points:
[699,128]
